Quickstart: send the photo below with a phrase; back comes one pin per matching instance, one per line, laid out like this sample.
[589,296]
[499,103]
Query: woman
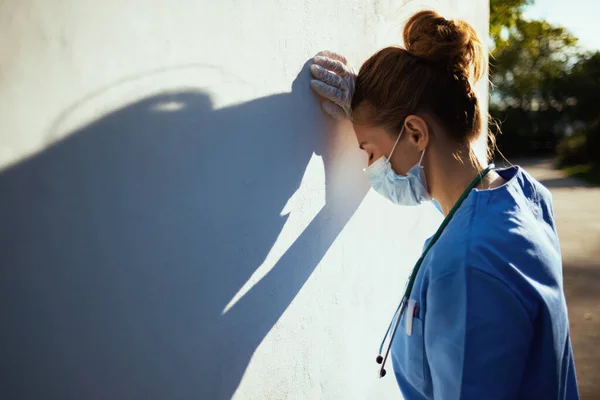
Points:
[484,314]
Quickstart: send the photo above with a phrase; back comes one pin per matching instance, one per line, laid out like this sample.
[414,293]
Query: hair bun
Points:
[454,43]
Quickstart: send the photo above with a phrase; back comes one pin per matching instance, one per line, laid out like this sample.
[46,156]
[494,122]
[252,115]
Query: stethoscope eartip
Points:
[379,359]
[382,373]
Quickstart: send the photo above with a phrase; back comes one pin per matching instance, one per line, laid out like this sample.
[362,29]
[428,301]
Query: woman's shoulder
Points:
[513,236]
[521,199]
[507,232]
[517,216]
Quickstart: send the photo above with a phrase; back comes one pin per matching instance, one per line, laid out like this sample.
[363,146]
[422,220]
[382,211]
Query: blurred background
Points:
[544,99]
[545,77]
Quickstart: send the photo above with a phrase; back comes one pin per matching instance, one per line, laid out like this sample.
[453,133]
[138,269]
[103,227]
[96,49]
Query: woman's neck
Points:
[450,177]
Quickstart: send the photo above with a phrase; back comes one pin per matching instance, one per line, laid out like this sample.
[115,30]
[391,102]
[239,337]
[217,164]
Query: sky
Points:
[580,17]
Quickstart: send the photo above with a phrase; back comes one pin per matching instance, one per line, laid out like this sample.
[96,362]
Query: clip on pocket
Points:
[410,314]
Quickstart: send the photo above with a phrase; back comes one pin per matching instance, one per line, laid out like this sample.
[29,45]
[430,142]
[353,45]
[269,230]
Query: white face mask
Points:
[409,190]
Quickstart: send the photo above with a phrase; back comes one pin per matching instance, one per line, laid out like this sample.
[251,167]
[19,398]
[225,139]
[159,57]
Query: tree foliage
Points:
[543,87]
[534,53]
[504,14]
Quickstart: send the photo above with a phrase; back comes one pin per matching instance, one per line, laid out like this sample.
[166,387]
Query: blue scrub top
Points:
[491,321]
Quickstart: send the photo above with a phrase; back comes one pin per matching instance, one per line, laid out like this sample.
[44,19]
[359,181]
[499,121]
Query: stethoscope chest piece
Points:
[382,371]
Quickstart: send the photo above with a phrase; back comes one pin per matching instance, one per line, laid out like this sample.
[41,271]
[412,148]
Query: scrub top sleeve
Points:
[477,335]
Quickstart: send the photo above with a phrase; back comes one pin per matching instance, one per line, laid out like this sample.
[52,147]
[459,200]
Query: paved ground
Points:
[577,213]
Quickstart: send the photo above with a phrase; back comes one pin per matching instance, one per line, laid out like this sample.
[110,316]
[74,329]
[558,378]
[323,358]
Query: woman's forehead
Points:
[364,134]
[369,134]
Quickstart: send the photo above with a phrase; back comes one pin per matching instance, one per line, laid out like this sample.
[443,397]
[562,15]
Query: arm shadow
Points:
[122,244]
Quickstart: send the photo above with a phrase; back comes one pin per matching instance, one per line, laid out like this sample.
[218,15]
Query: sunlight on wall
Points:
[299,211]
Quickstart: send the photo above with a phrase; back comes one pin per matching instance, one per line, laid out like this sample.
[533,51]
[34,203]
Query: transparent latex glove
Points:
[334,80]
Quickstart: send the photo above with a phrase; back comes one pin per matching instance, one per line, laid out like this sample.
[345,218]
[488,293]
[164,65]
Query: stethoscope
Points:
[411,280]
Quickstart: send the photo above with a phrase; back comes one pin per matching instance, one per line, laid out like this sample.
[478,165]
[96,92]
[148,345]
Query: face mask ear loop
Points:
[421,159]
[397,140]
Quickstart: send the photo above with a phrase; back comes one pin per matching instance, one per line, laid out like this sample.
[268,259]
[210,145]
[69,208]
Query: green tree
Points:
[580,88]
[534,54]
[544,90]
[526,58]
[504,15]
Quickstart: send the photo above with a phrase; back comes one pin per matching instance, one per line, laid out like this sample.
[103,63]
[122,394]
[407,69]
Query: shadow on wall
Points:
[123,243]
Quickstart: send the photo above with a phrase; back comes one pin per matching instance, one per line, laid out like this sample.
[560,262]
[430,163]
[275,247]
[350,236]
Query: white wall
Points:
[178,220]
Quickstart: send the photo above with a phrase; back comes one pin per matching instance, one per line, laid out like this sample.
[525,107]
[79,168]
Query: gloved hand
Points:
[334,80]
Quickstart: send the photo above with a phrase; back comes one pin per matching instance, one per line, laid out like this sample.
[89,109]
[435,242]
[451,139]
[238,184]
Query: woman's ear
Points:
[417,131]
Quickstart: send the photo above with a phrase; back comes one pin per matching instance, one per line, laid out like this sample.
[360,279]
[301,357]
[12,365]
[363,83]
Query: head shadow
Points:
[123,244]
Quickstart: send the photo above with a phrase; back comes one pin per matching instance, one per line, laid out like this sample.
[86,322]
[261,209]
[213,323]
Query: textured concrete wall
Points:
[178,220]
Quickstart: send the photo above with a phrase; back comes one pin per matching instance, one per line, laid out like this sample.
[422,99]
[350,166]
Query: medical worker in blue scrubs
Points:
[483,315]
